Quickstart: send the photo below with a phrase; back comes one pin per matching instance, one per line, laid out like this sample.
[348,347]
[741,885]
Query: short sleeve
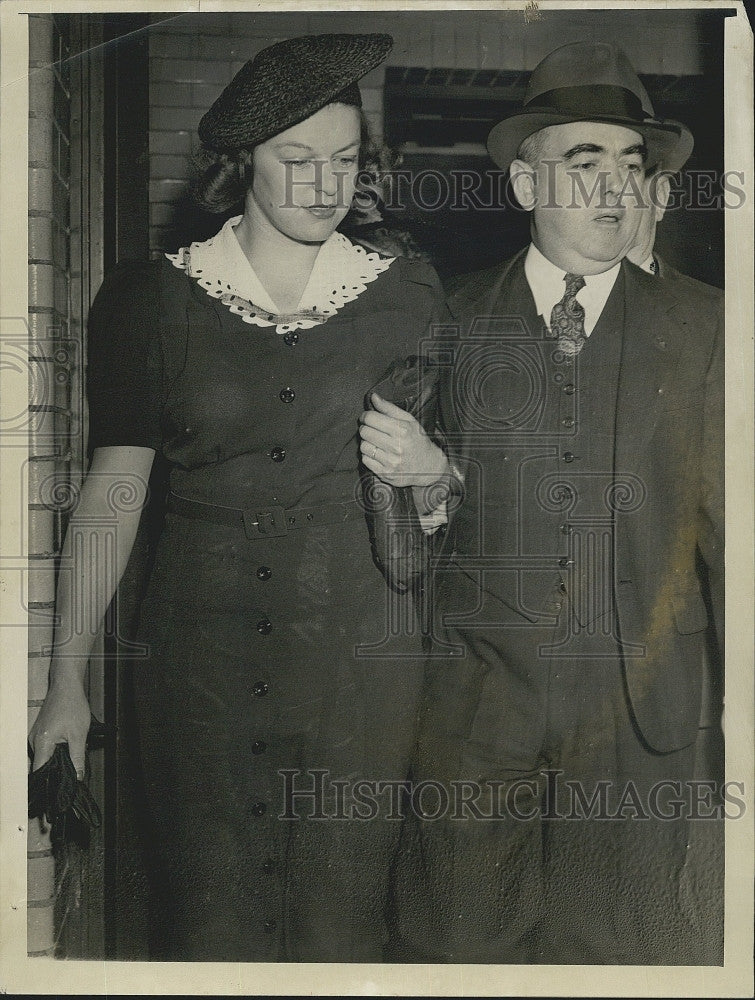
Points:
[124,364]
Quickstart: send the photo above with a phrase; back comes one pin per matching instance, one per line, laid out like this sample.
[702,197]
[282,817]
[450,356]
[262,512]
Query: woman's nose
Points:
[327,180]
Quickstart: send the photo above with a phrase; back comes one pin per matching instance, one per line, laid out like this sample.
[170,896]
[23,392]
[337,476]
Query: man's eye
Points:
[633,168]
[296,163]
[347,161]
[585,165]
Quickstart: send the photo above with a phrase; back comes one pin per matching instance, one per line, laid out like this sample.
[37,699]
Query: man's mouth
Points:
[609,218]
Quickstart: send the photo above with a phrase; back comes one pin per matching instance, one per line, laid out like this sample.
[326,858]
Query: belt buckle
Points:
[267,523]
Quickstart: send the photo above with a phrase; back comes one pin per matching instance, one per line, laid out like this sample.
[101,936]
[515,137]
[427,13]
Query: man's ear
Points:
[660,192]
[524,183]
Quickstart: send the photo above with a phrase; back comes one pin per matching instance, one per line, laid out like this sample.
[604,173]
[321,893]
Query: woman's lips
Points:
[322,211]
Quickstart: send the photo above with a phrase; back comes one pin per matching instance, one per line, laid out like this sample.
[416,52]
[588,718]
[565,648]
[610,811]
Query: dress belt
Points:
[266,521]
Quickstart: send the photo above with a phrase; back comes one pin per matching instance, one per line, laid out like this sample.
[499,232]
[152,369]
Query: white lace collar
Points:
[341,272]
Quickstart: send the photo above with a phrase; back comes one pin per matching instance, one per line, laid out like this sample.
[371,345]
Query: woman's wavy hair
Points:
[221,180]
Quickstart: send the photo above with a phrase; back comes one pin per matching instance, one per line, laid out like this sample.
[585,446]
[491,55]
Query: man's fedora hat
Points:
[286,83]
[593,82]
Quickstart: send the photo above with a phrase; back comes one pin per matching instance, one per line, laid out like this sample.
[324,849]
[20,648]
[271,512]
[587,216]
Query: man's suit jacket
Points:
[670,435]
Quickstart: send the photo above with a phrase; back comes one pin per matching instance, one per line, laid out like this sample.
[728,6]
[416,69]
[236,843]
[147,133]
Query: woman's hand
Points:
[396,448]
[64,718]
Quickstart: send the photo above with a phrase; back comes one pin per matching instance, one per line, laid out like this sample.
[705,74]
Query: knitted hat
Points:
[590,82]
[287,82]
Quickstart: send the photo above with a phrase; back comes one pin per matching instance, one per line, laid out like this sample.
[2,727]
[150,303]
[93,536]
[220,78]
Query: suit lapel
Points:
[653,343]
[496,293]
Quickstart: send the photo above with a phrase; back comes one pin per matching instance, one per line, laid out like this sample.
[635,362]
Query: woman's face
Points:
[304,177]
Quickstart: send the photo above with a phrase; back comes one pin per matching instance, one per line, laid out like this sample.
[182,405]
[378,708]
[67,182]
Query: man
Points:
[584,413]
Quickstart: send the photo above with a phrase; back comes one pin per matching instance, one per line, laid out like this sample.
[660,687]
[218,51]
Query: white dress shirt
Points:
[546,282]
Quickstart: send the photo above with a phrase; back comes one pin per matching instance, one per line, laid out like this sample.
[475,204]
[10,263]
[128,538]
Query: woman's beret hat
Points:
[287,82]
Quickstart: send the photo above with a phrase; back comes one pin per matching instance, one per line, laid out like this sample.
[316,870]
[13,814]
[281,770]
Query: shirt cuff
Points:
[435,519]
[438,516]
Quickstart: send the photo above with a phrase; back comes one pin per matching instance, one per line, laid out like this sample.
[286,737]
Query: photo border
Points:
[20,974]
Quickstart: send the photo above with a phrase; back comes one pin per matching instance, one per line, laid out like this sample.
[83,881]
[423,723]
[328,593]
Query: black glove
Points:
[55,793]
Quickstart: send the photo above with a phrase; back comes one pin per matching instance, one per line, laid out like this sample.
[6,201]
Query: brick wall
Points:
[65,263]
[49,173]
[193,56]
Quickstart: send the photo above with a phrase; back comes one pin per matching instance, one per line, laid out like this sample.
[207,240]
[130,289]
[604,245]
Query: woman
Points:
[244,361]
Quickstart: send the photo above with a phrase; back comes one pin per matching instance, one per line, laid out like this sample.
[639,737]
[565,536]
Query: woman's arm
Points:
[84,591]
[395,447]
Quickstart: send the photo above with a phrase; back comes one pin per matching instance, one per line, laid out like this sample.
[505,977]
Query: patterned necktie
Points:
[568,317]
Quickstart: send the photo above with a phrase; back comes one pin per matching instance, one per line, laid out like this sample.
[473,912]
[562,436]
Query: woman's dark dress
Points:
[254,662]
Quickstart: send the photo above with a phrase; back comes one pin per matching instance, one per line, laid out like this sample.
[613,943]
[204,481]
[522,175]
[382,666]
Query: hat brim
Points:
[669,143]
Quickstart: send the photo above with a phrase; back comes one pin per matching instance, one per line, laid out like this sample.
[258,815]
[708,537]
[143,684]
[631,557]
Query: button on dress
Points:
[280,670]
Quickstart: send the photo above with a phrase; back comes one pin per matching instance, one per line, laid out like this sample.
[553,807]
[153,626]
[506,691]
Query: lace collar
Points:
[341,272]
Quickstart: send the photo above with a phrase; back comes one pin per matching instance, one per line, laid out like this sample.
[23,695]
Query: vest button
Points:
[264,572]
[566,528]
[265,627]
[569,389]
[287,395]
[270,926]
[568,421]
[258,747]
[260,689]
[278,454]
[568,456]
[291,338]
[259,809]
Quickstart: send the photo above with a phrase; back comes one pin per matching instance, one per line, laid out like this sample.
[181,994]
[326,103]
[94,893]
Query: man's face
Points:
[588,195]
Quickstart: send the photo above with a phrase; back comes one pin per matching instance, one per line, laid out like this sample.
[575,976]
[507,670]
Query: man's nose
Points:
[613,180]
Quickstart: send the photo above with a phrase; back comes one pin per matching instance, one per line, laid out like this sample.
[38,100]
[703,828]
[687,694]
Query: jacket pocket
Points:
[690,613]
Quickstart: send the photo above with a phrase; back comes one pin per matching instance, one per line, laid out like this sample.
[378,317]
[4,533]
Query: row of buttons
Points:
[259,808]
[286,395]
[261,688]
[568,389]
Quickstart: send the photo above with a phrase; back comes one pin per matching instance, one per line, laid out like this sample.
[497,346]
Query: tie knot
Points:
[573,284]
